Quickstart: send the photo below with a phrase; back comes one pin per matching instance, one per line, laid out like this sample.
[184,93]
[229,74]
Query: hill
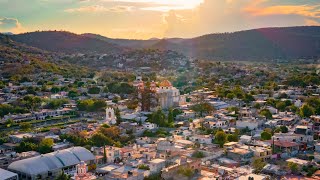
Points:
[251,45]
[18,59]
[128,43]
[257,44]
[66,42]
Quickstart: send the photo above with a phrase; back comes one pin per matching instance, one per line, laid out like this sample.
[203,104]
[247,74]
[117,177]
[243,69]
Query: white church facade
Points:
[168,96]
[110,116]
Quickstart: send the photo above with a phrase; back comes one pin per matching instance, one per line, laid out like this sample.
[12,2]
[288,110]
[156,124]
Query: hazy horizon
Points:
[145,19]
[156,37]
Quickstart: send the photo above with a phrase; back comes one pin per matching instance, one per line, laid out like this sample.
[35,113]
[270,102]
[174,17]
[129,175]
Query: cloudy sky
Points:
[143,19]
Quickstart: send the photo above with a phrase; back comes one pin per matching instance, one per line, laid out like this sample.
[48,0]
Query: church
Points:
[168,96]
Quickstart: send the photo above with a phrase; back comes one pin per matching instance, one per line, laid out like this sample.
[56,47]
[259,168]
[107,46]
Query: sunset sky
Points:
[143,19]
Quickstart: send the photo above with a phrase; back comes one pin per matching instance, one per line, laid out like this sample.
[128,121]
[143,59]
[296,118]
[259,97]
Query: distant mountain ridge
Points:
[129,43]
[7,33]
[256,44]
[264,43]
[62,41]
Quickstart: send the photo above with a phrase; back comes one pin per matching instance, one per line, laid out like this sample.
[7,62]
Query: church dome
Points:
[165,83]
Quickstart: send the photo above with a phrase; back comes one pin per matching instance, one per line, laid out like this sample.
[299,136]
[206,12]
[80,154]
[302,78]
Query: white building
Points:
[298,103]
[293,137]
[202,139]
[245,139]
[113,154]
[150,126]
[156,165]
[110,116]
[7,175]
[168,95]
[164,145]
[187,114]
[49,166]
[251,124]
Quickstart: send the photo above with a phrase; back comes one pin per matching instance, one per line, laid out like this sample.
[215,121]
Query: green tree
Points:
[230,95]
[32,102]
[238,92]
[257,106]
[281,106]
[55,89]
[98,105]
[26,146]
[115,99]
[6,109]
[2,84]
[176,112]
[94,90]
[266,135]
[9,123]
[170,116]
[266,113]
[98,139]
[106,89]
[233,109]
[118,116]
[73,94]
[202,108]
[306,111]
[63,176]
[198,154]
[220,138]
[271,102]
[56,103]
[233,138]
[293,167]
[258,164]
[45,145]
[248,98]
[25,126]
[284,129]
[159,118]
[277,130]
[155,176]
[80,84]
[314,102]
[91,105]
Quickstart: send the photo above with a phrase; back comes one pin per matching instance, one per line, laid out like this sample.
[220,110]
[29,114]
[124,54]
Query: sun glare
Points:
[165,5]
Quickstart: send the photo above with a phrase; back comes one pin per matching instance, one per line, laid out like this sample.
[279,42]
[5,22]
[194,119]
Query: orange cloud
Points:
[302,10]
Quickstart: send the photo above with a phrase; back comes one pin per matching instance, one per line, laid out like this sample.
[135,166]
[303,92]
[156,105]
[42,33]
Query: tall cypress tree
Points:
[170,116]
[118,116]
[104,154]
